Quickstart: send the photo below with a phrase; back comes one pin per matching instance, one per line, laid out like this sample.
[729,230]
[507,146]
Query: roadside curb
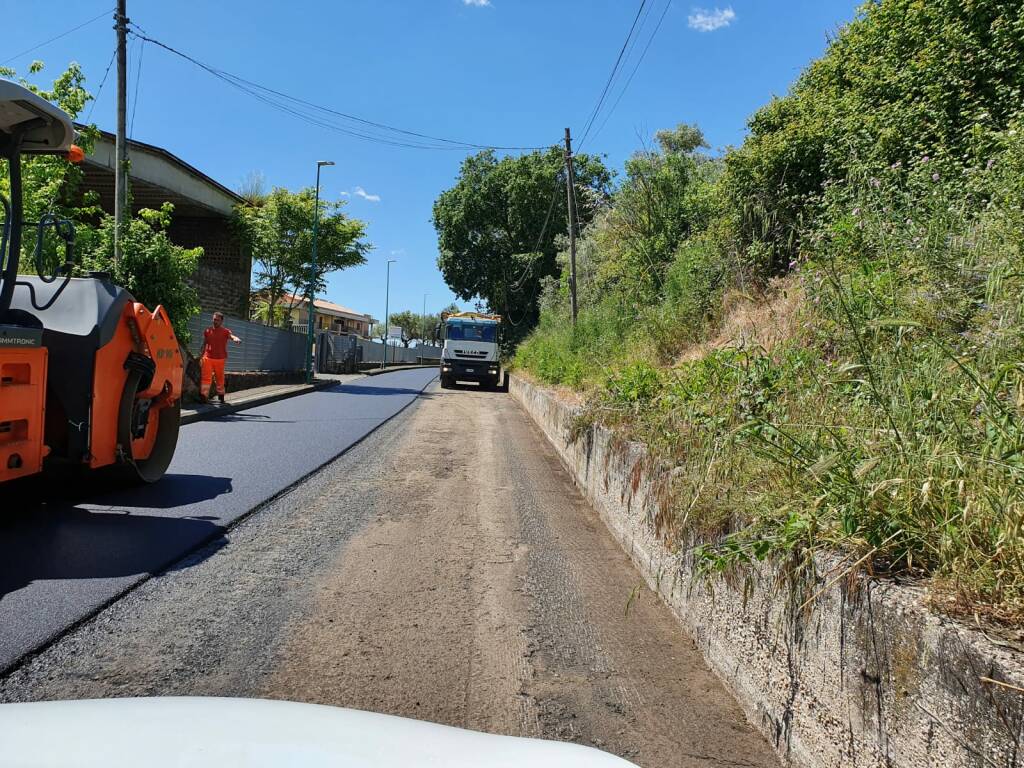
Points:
[229,408]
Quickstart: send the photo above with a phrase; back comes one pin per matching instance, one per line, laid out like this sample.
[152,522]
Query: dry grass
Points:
[763,321]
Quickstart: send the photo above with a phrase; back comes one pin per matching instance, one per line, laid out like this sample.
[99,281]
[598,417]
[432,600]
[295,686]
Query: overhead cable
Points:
[103,82]
[37,46]
[664,12]
[324,117]
[135,95]
[611,76]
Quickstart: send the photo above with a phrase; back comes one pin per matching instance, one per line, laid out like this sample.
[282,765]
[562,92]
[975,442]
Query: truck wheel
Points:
[446,383]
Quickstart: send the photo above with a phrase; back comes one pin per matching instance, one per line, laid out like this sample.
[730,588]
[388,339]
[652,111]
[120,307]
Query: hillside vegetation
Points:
[823,328]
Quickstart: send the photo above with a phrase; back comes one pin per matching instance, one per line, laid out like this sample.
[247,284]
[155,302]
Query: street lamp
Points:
[423,320]
[312,272]
[387,294]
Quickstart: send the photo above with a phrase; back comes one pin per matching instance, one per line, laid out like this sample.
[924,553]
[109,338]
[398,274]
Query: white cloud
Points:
[704,20]
[344,193]
[477,3]
[366,195]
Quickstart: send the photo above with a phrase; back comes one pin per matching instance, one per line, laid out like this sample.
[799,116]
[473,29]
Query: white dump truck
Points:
[470,348]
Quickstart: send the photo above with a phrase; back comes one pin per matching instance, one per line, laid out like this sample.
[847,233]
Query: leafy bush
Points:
[889,425]
[152,268]
[906,78]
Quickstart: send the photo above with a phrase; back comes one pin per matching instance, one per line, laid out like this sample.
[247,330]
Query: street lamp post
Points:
[312,272]
[387,294]
[423,320]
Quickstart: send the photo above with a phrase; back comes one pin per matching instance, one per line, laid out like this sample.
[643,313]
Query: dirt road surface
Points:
[444,569]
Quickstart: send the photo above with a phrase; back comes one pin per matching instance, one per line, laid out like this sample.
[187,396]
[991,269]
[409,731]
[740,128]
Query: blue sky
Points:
[496,72]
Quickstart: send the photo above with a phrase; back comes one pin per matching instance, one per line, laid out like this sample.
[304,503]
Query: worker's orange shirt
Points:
[217,342]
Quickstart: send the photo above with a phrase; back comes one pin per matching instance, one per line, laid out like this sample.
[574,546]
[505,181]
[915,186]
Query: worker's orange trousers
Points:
[211,368]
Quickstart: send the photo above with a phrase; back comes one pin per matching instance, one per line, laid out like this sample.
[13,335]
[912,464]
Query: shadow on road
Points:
[252,418]
[477,388]
[76,543]
[363,389]
[57,490]
[83,528]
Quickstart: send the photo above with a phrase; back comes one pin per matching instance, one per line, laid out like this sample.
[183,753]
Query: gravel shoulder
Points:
[444,569]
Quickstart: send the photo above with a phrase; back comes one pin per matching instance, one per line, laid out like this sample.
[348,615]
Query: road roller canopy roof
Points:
[50,129]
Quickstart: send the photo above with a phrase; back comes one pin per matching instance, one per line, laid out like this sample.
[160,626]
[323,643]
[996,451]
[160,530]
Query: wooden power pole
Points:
[570,184]
[121,146]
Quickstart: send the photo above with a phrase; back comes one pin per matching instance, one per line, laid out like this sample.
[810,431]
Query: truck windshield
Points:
[472,332]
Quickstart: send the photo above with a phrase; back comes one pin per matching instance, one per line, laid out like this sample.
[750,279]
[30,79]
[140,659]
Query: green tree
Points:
[904,80]
[50,183]
[411,324]
[663,201]
[278,228]
[151,268]
[418,327]
[495,236]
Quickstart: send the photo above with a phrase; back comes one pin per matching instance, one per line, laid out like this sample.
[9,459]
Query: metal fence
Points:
[262,349]
[374,350]
[341,353]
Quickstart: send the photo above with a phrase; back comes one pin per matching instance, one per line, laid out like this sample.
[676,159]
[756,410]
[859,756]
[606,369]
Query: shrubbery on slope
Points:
[886,192]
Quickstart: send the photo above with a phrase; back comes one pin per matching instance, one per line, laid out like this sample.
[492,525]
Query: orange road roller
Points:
[88,376]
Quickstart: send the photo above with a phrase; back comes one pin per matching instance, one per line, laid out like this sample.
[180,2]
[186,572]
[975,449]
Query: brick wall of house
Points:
[222,279]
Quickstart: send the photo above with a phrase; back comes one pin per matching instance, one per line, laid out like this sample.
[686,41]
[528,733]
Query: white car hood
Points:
[189,732]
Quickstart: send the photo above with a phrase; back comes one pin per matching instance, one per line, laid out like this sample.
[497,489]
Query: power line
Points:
[58,37]
[608,84]
[103,82]
[294,112]
[364,129]
[664,12]
[135,95]
[630,48]
[520,281]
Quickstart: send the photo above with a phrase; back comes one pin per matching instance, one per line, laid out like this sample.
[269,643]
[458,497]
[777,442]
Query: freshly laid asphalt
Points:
[65,552]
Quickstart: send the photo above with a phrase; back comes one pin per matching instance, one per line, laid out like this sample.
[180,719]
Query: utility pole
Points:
[570,185]
[312,274]
[121,146]
[423,320]
[387,320]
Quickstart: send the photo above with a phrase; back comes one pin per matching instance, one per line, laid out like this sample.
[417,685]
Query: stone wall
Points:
[864,676]
[222,279]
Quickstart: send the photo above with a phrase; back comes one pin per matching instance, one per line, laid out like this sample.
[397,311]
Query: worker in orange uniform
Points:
[215,355]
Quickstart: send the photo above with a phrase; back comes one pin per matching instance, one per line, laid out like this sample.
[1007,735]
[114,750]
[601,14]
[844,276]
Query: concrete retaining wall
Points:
[866,676]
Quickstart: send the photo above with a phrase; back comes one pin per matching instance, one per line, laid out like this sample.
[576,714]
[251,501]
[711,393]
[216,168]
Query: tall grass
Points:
[887,427]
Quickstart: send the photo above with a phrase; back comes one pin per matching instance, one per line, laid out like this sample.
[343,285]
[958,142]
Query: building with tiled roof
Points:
[327,316]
